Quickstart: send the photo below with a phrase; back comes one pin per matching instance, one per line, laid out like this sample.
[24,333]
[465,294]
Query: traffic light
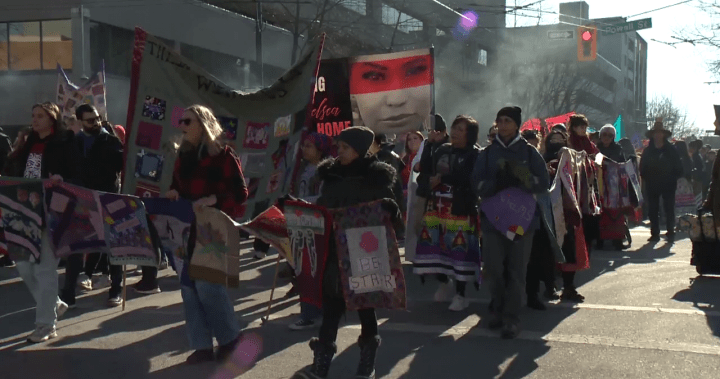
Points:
[587,43]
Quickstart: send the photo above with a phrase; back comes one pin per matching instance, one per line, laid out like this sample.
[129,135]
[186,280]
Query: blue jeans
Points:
[208,312]
[309,312]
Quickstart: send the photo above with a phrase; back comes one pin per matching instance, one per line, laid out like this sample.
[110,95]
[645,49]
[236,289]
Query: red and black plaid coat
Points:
[219,175]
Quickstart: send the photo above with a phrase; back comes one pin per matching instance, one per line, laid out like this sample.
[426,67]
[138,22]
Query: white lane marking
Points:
[625,308]
[682,347]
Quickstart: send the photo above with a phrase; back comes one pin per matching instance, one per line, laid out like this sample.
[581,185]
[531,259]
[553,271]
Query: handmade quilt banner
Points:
[172,220]
[74,220]
[685,202]
[216,256]
[370,268]
[71,96]
[270,227]
[127,231]
[262,125]
[21,205]
[309,227]
[618,184]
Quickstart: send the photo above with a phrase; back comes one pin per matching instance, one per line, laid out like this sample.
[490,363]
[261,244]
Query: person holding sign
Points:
[207,172]
[350,179]
[508,174]
[49,152]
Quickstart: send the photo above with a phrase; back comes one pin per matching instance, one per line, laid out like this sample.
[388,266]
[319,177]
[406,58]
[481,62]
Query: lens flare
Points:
[466,23]
[469,21]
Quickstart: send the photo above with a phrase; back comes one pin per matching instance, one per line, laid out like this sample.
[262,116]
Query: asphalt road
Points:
[646,315]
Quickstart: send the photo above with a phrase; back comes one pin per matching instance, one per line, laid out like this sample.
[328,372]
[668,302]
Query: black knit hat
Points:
[359,138]
[512,112]
[440,125]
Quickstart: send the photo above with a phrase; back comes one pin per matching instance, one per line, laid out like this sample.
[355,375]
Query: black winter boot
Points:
[368,351]
[323,356]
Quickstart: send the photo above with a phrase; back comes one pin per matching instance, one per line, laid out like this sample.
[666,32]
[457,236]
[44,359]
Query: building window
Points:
[358,6]
[112,45]
[631,45]
[630,65]
[404,22]
[57,44]
[35,45]
[24,46]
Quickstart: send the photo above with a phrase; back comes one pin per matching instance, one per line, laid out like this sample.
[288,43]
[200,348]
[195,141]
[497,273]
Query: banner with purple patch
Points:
[70,96]
[127,231]
[309,228]
[370,269]
[263,126]
[74,220]
[510,211]
[21,205]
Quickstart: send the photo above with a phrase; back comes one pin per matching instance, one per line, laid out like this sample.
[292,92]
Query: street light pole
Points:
[258,42]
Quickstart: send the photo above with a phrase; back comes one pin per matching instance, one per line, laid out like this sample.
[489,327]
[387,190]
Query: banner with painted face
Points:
[71,96]
[388,93]
[262,126]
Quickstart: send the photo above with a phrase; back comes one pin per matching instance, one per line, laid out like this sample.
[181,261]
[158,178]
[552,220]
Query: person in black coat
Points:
[453,163]
[660,169]
[437,138]
[383,150]
[101,162]
[350,179]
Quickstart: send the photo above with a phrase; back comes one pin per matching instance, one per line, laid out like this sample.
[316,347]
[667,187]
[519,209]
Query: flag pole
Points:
[124,291]
[272,292]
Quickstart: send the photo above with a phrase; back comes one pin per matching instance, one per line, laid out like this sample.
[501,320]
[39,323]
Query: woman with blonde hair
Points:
[49,152]
[208,172]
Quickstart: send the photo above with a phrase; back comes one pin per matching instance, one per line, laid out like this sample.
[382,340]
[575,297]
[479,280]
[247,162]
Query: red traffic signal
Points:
[587,43]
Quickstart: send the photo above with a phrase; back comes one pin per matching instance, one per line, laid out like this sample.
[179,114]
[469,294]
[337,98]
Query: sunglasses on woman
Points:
[185,121]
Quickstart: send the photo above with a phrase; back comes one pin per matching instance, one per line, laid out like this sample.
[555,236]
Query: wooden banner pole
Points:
[272,292]
[124,291]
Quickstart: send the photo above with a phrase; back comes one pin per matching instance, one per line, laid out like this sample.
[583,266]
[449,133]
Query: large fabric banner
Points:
[71,96]
[309,227]
[388,93]
[370,268]
[21,205]
[216,256]
[263,126]
[127,231]
[74,220]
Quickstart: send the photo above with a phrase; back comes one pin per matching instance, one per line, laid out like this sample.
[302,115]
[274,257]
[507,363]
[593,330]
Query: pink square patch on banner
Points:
[176,115]
[149,135]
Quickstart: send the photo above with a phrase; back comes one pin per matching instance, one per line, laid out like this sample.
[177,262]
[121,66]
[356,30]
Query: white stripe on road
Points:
[472,331]
[280,292]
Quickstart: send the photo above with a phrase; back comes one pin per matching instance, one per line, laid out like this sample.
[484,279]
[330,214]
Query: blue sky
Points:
[678,72]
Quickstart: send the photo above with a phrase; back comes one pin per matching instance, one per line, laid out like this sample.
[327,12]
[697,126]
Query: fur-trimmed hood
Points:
[362,181]
[370,168]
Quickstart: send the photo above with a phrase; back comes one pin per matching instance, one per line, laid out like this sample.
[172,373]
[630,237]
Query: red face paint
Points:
[392,74]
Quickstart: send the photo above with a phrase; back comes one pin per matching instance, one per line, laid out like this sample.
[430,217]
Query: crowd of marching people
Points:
[444,192]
